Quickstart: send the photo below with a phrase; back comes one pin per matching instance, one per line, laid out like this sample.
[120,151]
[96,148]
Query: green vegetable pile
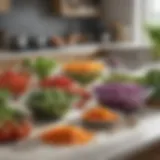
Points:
[4,96]
[152,79]
[6,112]
[42,67]
[154,35]
[84,78]
[9,114]
[123,78]
[49,104]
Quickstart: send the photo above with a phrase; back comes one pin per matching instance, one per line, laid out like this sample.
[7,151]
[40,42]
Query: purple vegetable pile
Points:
[127,97]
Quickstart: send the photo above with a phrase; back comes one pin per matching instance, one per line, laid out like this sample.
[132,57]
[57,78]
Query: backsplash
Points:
[34,17]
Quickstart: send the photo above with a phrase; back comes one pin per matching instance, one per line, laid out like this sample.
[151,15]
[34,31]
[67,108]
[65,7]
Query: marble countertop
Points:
[106,145]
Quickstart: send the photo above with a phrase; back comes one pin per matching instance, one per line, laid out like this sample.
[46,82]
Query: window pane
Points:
[156,6]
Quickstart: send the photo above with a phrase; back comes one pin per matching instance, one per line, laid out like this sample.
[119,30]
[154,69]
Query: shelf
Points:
[129,46]
[83,13]
[81,50]
[77,50]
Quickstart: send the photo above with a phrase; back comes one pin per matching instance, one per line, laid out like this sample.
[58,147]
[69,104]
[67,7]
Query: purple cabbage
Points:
[122,96]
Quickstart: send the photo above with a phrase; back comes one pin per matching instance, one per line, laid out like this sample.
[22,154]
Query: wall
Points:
[129,13]
[34,17]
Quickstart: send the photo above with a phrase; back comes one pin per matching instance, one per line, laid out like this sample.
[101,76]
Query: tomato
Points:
[4,136]
[5,78]
[23,130]
[13,81]
[11,131]
[6,132]
[59,81]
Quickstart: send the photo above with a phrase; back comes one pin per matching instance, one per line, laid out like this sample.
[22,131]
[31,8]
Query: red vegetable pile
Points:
[58,81]
[15,82]
[12,131]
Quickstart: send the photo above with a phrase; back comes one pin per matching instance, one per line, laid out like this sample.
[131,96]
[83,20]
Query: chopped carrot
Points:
[83,67]
[67,135]
[99,114]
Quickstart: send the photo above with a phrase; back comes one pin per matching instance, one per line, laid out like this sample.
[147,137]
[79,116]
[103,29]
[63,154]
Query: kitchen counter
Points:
[105,147]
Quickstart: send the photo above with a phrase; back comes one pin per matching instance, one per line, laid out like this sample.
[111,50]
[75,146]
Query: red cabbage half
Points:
[122,96]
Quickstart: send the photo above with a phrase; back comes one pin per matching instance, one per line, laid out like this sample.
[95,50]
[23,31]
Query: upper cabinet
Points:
[77,8]
[4,6]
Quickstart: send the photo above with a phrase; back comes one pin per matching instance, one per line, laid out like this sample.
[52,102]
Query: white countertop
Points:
[106,145]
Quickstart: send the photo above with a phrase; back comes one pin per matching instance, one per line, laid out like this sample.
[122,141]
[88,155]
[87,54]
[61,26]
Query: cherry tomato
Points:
[15,82]
[59,81]
[23,130]
[11,131]
[6,132]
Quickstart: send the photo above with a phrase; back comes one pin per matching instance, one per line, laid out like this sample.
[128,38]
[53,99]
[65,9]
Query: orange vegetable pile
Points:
[67,135]
[99,114]
[83,67]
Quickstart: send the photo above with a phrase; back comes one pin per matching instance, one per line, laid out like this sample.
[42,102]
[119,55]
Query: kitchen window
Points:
[146,12]
[153,11]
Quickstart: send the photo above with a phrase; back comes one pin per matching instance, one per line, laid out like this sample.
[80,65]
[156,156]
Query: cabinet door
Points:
[4,5]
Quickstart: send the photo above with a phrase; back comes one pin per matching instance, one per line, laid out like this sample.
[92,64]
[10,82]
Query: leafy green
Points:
[84,78]
[154,35]
[7,113]
[43,67]
[50,103]
[118,77]
[152,79]
[4,96]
